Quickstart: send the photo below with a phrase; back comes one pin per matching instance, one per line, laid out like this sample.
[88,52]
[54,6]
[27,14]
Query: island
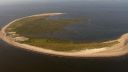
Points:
[39,33]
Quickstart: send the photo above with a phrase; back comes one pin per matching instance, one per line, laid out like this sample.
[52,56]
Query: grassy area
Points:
[33,27]
[66,46]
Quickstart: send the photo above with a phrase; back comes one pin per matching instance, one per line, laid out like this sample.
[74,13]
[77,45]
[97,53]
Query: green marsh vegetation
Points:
[32,27]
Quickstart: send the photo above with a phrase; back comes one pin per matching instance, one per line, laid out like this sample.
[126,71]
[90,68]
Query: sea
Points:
[107,20]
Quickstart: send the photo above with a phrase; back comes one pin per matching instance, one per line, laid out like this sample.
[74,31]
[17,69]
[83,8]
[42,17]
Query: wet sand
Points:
[116,50]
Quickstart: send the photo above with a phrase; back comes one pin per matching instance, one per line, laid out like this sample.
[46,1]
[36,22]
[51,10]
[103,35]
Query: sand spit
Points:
[116,50]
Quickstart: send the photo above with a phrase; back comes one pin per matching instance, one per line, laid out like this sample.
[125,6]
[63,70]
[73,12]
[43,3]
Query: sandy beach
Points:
[114,51]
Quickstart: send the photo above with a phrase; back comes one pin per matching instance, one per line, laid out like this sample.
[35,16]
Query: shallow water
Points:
[108,19]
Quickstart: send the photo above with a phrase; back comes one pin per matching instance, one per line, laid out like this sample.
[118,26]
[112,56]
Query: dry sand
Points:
[116,50]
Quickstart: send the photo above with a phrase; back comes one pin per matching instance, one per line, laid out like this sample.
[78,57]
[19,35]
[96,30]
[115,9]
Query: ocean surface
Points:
[107,20]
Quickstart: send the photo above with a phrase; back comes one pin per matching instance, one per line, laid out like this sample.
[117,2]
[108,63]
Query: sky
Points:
[11,1]
[54,0]
[6,1]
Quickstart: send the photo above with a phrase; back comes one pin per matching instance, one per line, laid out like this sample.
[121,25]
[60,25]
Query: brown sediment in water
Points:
[116,50]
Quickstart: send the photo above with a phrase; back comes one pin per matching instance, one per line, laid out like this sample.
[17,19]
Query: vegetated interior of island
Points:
[41,31]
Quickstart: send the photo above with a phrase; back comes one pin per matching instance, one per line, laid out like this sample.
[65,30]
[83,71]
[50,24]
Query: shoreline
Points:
[116,50]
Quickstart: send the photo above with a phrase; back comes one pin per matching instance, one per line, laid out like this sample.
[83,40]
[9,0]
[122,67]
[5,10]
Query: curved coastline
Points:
[116,50]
